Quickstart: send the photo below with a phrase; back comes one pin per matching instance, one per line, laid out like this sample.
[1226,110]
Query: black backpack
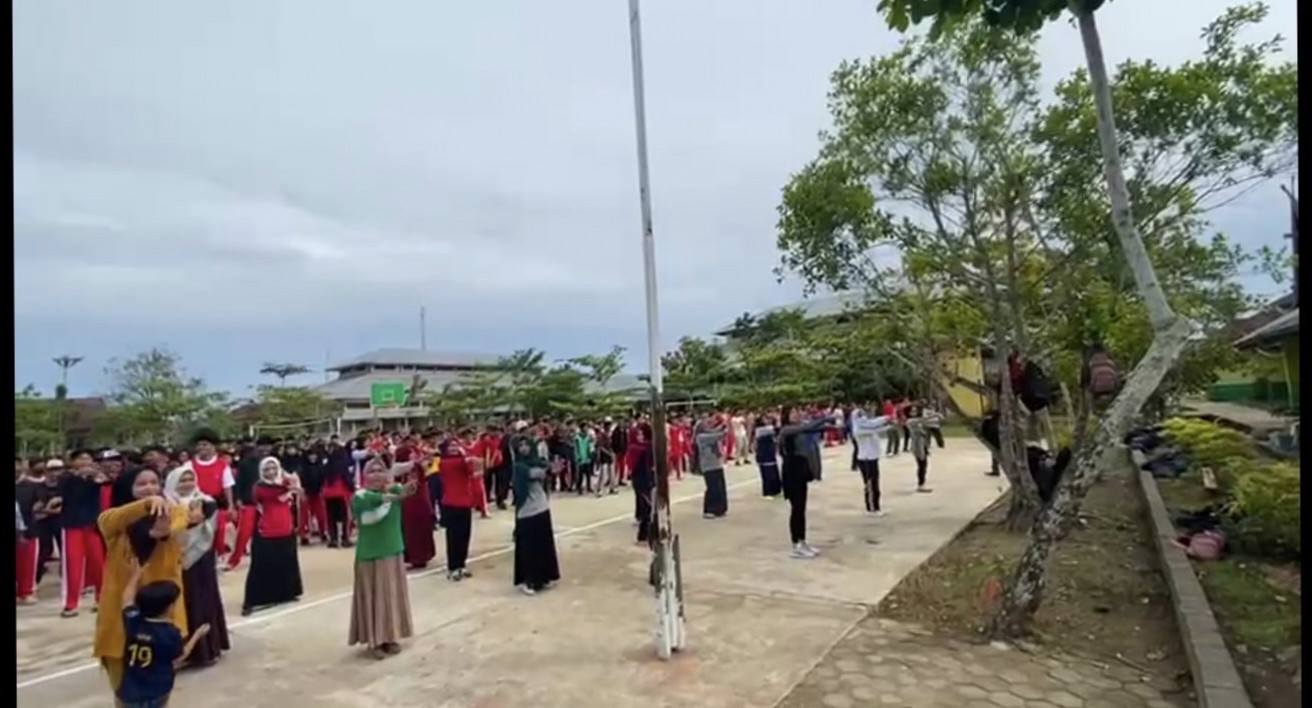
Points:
[1035,388]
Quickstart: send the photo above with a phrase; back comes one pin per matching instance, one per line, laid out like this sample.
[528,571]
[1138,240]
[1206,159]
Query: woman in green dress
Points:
[380,606]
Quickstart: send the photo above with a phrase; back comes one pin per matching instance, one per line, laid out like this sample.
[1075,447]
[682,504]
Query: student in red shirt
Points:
[275,574]
[459,470]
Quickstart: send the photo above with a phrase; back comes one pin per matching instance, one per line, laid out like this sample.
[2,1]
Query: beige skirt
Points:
[380,607]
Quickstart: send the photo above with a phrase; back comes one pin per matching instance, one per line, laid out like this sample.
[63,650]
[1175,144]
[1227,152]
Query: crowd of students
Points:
[137,522]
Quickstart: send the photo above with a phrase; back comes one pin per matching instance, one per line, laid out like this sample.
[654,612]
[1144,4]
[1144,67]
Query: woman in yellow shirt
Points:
[146,527]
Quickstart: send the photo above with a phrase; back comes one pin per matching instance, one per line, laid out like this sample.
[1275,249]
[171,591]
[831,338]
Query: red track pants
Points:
[26,552]
[82,564]
[312,507]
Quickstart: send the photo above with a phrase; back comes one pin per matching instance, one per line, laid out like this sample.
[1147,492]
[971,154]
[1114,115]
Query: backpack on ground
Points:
[1103,377]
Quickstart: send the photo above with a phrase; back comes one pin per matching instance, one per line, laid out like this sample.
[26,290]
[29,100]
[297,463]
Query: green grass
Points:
[1256,610]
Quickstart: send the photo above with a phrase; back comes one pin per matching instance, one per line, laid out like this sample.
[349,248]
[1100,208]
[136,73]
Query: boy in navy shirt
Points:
[154,650]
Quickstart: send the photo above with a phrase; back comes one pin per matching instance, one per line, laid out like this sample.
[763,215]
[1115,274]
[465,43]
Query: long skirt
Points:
[536,563]
[380,603]
[417,518]
[200,593]
[275,574]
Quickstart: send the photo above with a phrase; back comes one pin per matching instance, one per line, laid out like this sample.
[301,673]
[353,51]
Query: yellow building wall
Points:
[971,368]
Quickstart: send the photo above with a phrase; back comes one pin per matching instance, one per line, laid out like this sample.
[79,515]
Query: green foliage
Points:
[1266,501]
[1210,445]
[1019,15]
[947,154]
[1263,498]
[285,405]
[153,399]
[36,423]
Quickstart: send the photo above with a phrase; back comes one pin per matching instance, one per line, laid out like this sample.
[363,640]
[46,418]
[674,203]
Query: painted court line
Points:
[337,597]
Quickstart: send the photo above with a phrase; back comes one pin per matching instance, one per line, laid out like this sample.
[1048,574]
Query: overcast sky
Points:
[289,180]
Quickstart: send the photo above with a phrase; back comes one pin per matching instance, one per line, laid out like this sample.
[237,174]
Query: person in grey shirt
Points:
[709,439]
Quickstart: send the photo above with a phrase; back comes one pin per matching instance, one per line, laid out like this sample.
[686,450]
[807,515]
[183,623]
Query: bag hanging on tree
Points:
[1035,389]
[1104,378]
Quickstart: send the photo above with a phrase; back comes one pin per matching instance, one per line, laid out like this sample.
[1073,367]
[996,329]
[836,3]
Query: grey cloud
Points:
[314,170]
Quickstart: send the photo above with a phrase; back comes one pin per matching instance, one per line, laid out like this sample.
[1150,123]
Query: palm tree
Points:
[283,371]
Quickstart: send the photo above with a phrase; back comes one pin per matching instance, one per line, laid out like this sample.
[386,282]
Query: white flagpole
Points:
[665,574]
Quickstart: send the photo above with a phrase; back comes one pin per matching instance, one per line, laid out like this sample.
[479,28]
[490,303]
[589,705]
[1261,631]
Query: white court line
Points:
[320,602]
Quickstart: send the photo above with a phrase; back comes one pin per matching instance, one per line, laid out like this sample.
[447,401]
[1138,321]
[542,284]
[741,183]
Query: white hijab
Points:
[276,463]
[199,539]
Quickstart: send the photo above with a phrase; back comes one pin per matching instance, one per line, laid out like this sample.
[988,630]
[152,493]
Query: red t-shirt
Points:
[275,512]
[457,481]
[209,475]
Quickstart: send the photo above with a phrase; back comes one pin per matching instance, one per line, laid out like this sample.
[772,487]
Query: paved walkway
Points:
[758,620]
[885,663]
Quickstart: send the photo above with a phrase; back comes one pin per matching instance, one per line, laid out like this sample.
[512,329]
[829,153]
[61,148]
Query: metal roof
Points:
[1278,329]
[418,357]
[356,388]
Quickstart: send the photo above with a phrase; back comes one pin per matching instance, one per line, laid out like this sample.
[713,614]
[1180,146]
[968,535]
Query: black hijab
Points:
[143,544]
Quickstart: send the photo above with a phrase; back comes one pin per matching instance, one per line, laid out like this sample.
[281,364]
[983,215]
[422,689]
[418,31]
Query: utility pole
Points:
[423,329]
[666,574]
[1291,192]
[64,362]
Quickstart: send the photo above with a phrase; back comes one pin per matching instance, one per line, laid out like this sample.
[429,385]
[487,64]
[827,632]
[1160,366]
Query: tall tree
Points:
[36,423]
[289,405]
[1010,244]
[696,368]
[599,372]
[154,399]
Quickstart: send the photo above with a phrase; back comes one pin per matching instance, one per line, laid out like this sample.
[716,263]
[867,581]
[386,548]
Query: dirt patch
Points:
[1106,598]
[1258,605]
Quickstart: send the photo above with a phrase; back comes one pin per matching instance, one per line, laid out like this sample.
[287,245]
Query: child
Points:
[154,650]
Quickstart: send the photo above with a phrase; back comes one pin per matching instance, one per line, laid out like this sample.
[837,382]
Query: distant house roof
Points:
[83,412]
[417,357]
[1276,330]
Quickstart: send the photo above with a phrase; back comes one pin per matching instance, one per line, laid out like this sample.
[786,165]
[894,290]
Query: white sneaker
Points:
[801,552]
[811,549]
[527,590]
[879,513]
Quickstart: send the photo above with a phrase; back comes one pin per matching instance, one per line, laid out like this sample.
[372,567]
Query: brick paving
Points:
[887,663]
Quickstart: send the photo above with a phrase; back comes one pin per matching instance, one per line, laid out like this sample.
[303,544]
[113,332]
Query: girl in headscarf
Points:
[141,533]
[275,574]
[417,514]
[200,578]
[380,602]
[536,563]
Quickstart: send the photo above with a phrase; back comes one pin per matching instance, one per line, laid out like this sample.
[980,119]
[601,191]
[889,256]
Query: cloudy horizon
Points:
[290,181]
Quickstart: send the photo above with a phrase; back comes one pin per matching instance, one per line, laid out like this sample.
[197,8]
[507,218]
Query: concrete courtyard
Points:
[758,621]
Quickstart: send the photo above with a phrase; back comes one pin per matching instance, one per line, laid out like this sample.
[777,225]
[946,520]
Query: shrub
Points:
[1210,445]
[1265,503]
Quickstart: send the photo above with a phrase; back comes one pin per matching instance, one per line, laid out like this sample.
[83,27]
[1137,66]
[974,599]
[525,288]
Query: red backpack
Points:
[1104,379]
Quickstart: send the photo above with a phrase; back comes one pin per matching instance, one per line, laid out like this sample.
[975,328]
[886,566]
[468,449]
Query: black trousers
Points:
[894,440]
[797,511]
[583,478]
[642,500]
[338,513]
[715,500]
[459,525]
[870,477]
[922,470]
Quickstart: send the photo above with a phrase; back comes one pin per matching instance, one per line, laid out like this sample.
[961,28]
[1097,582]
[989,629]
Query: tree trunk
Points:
[1140,265]
[1025,591]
